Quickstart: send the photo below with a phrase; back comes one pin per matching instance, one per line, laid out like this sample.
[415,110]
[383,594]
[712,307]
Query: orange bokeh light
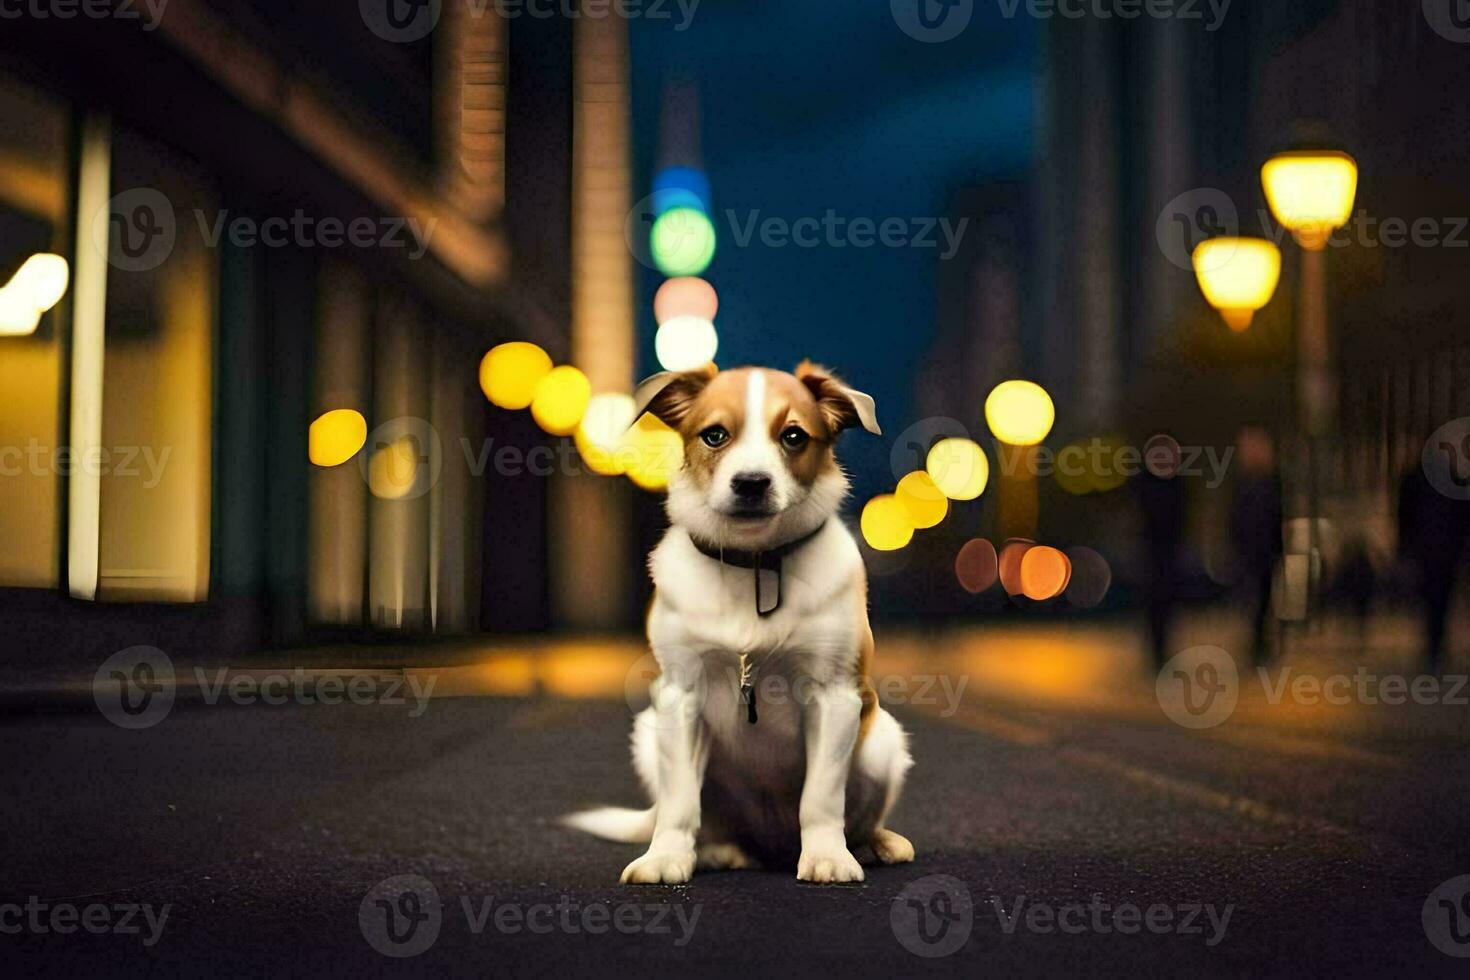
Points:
[1045,572]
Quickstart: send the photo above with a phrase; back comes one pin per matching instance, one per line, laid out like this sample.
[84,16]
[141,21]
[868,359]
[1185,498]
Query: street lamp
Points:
[1238,276]
[1311,193]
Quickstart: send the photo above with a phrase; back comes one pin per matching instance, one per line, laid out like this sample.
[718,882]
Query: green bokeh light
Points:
[682,242]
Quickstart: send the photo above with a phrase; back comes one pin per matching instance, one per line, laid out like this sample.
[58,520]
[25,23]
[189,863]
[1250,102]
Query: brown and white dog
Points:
[761,599]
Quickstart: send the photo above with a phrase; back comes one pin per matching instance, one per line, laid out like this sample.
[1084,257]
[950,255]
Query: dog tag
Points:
[767,589]
[747,698]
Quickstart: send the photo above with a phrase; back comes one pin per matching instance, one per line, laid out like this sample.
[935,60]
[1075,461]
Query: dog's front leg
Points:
[683,751]
[831,717]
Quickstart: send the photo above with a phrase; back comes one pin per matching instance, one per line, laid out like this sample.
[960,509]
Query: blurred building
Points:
[312,209]
[1152,135]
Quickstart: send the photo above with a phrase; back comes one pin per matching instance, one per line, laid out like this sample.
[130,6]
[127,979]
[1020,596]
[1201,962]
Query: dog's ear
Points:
[669,395]
[842,407]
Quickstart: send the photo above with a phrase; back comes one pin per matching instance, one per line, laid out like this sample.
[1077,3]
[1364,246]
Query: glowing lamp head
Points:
[1311,193]
[1020,413]
[1238,276]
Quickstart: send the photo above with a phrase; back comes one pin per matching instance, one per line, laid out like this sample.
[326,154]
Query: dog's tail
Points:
[614,823]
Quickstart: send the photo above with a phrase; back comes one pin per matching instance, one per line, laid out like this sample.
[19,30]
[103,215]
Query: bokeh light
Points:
[1091,578]
[1311,192]
[37,286]
[1019,413]
[335,437]
[685,343]
[651,453]
[393,469]
[976,566]
[886,523]
[1045,573]
[675,187]
[561,400]
[926,504]
[685,296]
[601,431]
[1009,563]
[682,242]
[510,373]
[958,468]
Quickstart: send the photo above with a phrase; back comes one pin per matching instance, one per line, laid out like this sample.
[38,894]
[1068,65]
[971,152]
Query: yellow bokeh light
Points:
[958,468]
[1020,413]
[1311,193]
[561,400]
[601,431]
[1238,276]
[510,373]
[393,469]
[886,523]
[37,286]
[1045,573]
[335,437]
[651,453]
[926,503]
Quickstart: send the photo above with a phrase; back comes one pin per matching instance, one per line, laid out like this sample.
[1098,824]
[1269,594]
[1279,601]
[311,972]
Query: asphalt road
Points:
[1098,837]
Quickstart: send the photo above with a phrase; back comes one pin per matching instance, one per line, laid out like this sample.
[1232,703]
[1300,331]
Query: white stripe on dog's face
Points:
[753,456]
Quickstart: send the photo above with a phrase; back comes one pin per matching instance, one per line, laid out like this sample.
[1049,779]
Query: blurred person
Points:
[1160,498]
[1433,528]
[1356,582]
[1255,528]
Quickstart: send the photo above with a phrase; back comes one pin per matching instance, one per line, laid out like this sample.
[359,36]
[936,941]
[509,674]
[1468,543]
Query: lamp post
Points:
[1311,193]
[1238,276]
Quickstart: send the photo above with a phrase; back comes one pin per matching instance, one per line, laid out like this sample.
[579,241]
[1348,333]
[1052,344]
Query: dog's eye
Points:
[794,438]
[715,436]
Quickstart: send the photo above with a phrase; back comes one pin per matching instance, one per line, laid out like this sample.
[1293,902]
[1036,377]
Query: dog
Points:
[764,744]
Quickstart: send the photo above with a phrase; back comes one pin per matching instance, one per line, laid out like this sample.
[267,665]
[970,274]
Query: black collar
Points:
[769,561]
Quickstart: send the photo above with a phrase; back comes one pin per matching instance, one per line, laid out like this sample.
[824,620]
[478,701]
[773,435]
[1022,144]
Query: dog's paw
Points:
[828,865]
[891,848]
[660,868]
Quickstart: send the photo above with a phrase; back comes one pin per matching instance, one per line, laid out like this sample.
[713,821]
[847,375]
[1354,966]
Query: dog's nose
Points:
[750,486]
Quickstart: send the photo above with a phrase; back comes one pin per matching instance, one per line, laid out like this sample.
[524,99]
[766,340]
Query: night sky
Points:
[809,106]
